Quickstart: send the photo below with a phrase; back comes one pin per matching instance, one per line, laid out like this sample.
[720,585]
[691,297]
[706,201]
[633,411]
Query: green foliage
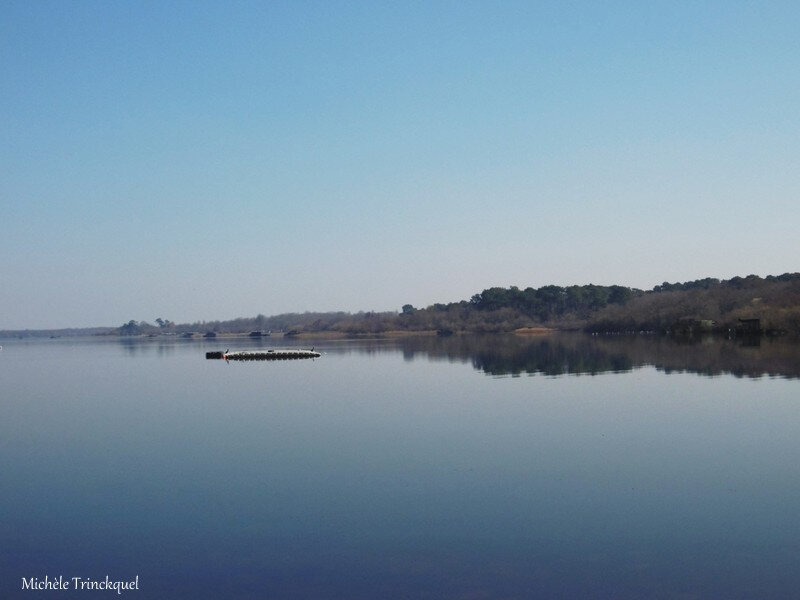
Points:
[551,301]
[135,328]
[130,328]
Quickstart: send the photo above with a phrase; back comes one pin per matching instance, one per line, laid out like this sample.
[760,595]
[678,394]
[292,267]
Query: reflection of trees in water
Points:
[557,354]
[549,357]
[563,354]
[515,355]
[144,346]
[713,356]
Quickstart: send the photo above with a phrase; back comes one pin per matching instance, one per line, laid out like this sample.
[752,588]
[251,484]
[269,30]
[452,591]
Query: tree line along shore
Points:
[741,305]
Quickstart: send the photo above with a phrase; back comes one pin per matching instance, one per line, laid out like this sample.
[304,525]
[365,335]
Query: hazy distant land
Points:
[704,305]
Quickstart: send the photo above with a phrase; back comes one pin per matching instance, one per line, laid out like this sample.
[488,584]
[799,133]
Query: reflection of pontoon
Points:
[264,354]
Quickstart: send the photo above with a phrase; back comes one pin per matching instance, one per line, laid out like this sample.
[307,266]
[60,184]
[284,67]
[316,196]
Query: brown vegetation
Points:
[702,305]
[775,301]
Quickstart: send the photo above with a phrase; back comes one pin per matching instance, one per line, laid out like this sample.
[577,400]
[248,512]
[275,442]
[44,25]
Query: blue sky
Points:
[206,160]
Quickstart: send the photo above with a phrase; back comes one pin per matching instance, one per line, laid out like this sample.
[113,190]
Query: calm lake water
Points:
[463,467]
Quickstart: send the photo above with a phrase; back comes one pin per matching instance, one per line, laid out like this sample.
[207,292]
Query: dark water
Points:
[559,467]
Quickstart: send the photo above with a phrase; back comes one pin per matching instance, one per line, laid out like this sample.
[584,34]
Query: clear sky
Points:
[201,160]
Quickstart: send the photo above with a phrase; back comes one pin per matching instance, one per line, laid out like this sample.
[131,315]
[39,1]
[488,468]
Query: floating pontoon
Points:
[276,354]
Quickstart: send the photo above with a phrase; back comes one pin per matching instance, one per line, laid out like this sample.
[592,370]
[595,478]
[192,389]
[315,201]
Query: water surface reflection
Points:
[552,355]
[364,475]
[579,354]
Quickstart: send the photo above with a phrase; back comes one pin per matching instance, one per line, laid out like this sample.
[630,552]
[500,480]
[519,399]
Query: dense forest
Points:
[701,305]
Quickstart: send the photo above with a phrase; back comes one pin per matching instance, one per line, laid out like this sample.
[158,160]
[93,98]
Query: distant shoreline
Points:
[306,335]
[749,305]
